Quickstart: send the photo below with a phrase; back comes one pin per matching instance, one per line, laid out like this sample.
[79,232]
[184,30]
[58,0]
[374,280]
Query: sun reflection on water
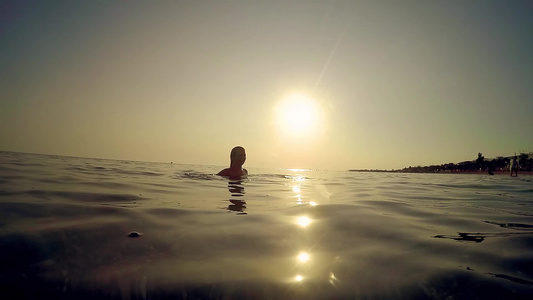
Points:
[296,189]
[303,257]
[298,170]
[332,279]
[303,221]
[298,178]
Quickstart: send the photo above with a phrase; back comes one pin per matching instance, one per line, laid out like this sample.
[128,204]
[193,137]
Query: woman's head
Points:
[237,156]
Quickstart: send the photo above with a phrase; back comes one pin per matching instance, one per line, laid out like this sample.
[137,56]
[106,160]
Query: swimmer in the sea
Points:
[237,157]
[514,167]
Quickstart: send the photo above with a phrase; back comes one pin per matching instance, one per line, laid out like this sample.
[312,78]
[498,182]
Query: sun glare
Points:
[298,116]
[303,221]
[303,257]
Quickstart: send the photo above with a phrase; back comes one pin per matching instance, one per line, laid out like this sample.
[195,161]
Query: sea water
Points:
[82,228]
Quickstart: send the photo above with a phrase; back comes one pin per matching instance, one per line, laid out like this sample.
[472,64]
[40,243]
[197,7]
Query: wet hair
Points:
[235,150]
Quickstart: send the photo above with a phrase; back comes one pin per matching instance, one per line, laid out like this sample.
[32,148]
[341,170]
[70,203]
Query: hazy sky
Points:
[382,84]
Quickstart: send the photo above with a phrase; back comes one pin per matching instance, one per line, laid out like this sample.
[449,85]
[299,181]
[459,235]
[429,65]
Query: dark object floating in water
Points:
[134,234]
[517,226]
[511,278]
[463,236]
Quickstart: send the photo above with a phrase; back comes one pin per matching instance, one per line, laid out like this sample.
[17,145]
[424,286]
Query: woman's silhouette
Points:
[237,159]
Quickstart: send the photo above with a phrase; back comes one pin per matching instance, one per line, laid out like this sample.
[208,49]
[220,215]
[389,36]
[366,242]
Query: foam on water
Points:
[66,224]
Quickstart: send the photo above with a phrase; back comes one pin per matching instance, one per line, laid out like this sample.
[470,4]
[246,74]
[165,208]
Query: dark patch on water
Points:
[516,226]
[477,237]
[134,234]
[511,278]
[463,237]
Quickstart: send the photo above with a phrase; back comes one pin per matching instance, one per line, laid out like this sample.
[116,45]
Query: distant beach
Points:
[497,166]
[496,172]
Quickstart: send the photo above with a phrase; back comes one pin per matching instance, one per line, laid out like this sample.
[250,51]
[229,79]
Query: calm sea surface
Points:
[79,228]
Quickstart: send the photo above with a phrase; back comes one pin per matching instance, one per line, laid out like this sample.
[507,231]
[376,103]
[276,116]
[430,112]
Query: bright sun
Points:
[298,116]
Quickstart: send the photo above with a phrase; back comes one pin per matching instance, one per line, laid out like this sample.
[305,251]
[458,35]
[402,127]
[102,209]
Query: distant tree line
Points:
[499,163]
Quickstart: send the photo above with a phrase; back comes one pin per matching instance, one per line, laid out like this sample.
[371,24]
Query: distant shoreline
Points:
[498,173]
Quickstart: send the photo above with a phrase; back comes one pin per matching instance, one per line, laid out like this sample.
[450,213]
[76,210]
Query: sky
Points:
[333,85]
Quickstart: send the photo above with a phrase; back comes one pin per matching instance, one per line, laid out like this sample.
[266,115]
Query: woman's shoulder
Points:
[224,172]
[230,172]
